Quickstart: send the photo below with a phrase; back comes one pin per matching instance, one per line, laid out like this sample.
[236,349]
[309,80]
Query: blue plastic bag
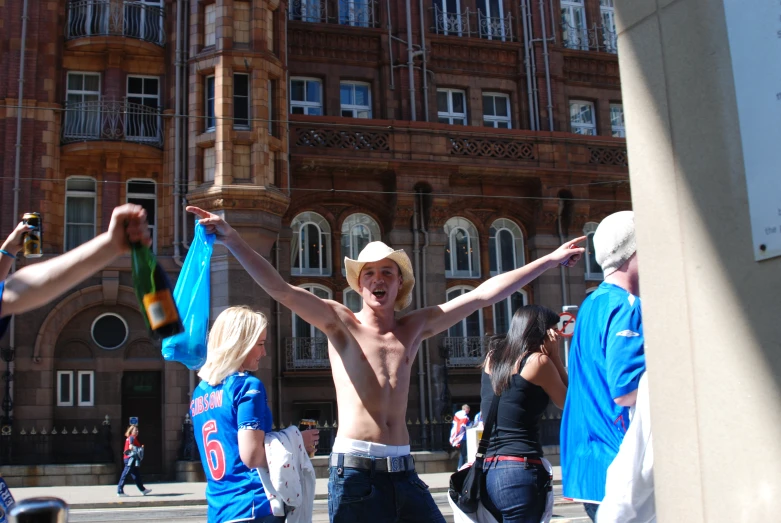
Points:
[192,295]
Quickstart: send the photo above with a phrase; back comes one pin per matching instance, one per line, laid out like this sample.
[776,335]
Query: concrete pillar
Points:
[710,310]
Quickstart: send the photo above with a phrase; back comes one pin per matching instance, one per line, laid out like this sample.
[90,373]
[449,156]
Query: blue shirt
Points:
[234,492]
[606,361]
[4,321]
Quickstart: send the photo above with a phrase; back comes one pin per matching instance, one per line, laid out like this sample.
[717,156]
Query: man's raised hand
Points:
[569,253]
[128,225]
[212,223]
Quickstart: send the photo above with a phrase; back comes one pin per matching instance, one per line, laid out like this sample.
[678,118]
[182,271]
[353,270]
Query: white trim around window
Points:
[582,117]
[310,256]
[501,232]
[592,269]
[505,309]
[356,99]
[79,189]
[241,100]
[143,192]
[352,300]
[322,292]
[617,126]
[463,325]
[308,93]
[65,381]
[496,110]
[451,106]
[86,388]
[462,239]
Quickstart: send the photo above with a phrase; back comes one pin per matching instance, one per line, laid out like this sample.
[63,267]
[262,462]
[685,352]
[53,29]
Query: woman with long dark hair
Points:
[525,370]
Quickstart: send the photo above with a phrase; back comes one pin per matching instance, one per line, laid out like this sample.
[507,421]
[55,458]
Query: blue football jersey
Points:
[234,492]
[606,361]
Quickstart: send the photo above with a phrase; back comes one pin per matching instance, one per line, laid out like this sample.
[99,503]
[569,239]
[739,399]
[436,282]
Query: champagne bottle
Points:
[154,293]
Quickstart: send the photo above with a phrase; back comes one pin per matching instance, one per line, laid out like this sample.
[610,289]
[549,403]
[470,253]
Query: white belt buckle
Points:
[397,464]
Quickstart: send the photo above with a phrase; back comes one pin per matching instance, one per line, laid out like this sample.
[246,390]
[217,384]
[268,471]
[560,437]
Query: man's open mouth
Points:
[379,293]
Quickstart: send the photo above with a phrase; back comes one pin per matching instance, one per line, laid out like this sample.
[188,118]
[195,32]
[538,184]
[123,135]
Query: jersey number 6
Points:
[215,456]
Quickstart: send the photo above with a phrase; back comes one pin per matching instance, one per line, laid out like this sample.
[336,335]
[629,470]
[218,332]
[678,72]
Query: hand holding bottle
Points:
[128,226]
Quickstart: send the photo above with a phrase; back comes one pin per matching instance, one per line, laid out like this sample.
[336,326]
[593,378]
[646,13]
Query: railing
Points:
[307,353]
[597,38]
[58,446]
[112,120]
[342,139]
[356,13]
[473,24]
[465,351]
[115,18]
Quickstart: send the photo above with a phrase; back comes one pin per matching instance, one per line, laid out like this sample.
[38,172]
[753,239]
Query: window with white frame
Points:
[356,99]
[609,36]
[144,193]
[462,253]
[491,21]
[308,10]
[208,104]
[82,114]
[352,300]
[210,25]
[358,230]
[64,388]
[306,96]
[593,270]
[86,388]
[358,13]
[472,325]
[80,209]
[573,24]
[143,117]
[448,18]
[310,345]
[451,106]
[582,118]
[496,110]
[241,101]
[504,310]
[209,164]
[310,247]
[617,126]
[505,246]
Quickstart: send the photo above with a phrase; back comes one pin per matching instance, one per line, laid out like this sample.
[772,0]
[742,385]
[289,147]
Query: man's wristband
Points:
[6,253]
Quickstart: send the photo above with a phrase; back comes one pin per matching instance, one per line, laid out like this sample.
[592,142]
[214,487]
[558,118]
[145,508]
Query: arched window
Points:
[357,231]
[310,345]
[504,310]
[465,343]
[472,325]
[310,248]
[352,300]
[593,270]
[505,246]
[80,210]
[462,253]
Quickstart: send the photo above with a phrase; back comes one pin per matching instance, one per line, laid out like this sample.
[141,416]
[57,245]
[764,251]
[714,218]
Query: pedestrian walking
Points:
[132,455]
[458,433]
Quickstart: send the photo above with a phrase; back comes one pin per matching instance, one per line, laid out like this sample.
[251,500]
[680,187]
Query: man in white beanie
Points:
[606,361]
[372,474]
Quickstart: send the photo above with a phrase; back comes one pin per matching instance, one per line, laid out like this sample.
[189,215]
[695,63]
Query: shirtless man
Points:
[372,475]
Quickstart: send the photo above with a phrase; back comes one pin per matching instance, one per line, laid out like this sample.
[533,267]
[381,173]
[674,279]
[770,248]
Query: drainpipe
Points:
[421,358]
[17,167]
[547,64]
[178,133]
[564,291]
[533,56]
[527,64]
[287,113]
[425,65]
[424,277]
[410,64]
[278,317]
[390,46]
[185,242]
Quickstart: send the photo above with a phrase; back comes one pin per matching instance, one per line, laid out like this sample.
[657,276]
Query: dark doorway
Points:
[142,397]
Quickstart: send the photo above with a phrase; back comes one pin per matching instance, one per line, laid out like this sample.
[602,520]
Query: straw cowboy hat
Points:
[374,252]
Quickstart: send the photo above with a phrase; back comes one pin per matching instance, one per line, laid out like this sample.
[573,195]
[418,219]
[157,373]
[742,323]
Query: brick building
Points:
[475,134]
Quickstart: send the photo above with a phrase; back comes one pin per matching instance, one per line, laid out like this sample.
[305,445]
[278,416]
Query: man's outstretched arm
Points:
[312,309]
[441,317]
[35,285]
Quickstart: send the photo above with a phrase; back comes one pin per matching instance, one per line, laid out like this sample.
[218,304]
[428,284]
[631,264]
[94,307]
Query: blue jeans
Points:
[359,495]
[462,455]
[518,491]
[132,470]
[591,510]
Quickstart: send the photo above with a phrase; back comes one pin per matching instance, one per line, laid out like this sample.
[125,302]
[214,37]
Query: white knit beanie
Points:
[614,241]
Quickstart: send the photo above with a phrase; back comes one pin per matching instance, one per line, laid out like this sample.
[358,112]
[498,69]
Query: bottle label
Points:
[160,308]
[6,501]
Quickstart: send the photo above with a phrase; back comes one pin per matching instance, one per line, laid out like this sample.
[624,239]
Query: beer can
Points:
[6,501]
[33,239]
[308,424]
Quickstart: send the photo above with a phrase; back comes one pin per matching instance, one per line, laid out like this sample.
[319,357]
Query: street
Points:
[563,513]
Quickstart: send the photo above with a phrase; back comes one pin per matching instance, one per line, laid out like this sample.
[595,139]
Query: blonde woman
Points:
[230,417]
[132,455]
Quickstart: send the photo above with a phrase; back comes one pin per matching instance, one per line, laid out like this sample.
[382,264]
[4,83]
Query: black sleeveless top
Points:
[517,428]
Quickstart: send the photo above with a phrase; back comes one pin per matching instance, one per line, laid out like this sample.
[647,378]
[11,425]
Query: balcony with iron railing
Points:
[355,13]
[112,121]
[306,354]
[464,352]
[598,38]
[474,24]
[93,22]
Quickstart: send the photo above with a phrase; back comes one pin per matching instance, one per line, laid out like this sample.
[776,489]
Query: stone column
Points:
[710,310]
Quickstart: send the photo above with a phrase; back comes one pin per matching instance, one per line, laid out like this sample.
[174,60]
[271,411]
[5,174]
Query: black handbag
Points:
[468,485]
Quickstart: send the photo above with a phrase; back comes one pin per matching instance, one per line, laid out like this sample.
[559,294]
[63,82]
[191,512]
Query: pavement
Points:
[183,494]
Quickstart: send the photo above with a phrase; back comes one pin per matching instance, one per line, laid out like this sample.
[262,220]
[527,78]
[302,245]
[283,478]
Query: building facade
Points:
[475,134]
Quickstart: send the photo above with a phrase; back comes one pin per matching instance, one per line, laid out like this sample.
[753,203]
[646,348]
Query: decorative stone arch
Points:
[142,350]
[73,350]
[70,306]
